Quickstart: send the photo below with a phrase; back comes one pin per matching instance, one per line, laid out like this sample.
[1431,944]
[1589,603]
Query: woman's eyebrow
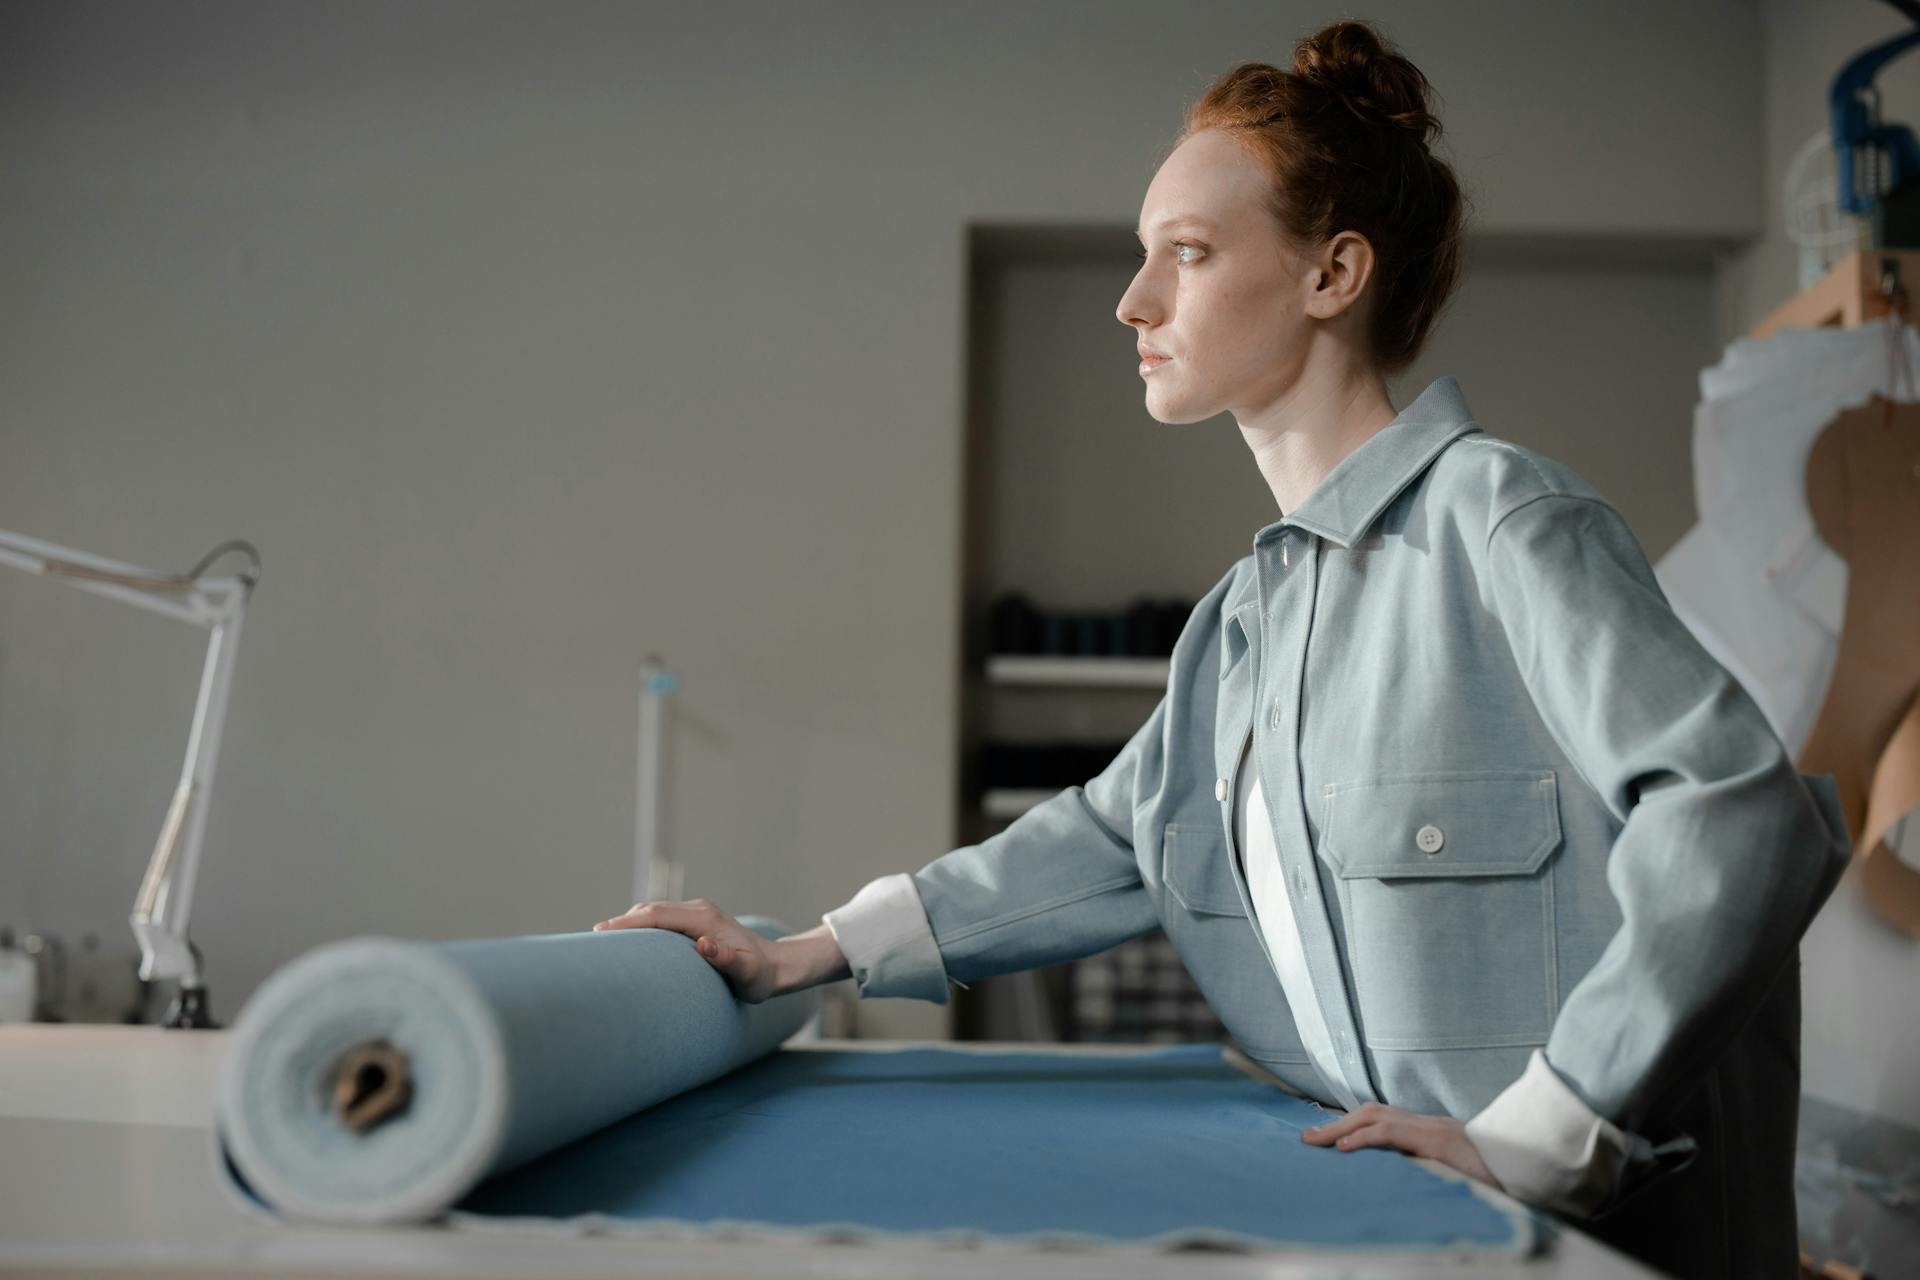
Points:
[1177,220]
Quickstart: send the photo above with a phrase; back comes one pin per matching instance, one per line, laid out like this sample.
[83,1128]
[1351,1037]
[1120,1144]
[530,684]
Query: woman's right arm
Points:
[1058,884]
[1063,881]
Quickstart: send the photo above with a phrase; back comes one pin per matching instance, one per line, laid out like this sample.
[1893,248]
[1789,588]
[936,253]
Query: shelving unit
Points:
[1034,672]
[1011,802]
[1061,672]
[1045,669]
[1046,1004]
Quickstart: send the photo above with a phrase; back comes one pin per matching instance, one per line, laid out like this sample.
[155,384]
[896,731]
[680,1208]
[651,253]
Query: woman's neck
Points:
[1305,434]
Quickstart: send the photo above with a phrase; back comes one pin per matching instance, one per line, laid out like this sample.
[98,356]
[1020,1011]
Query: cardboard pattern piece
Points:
[1863,488]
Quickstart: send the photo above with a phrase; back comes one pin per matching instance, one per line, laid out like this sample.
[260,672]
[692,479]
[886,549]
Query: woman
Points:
[1525,870]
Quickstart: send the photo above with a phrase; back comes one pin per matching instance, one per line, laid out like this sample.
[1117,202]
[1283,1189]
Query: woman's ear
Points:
[1342,268]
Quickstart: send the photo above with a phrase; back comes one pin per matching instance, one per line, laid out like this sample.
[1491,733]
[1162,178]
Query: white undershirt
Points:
[1273,914]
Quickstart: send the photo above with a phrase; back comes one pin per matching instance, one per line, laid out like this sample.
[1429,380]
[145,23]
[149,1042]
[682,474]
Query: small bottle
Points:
[19,981]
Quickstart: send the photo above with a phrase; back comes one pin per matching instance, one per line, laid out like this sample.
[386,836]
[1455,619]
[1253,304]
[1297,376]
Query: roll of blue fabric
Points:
[504,1049]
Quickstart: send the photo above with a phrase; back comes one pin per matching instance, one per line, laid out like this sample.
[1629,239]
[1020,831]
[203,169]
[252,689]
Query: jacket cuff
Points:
[883,932]
[1549,1148]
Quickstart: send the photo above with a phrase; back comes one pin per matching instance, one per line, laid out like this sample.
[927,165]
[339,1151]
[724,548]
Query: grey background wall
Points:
[527,339]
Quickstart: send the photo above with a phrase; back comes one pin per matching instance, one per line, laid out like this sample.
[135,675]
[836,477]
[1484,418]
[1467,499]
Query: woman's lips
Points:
[1150,363]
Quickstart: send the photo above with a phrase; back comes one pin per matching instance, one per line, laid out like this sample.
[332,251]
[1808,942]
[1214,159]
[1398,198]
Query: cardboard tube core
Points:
[371,1085]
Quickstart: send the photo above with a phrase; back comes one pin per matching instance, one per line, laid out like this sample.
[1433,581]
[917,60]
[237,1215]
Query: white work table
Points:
[107,1166]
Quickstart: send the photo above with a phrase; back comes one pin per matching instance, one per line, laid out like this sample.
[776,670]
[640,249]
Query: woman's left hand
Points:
[1439,1138]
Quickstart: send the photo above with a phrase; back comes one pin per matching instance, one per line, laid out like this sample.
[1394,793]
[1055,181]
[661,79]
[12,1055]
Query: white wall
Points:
[524,339]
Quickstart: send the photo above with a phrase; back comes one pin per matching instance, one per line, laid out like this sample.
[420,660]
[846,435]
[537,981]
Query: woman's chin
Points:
[1174,412]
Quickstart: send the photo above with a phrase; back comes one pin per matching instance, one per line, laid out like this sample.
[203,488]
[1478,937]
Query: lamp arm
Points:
[164,902]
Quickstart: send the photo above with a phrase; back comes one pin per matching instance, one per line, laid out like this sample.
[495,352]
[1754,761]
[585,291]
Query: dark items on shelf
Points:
[1139,992]
[1043,765]
[1146,629]
[1135,993]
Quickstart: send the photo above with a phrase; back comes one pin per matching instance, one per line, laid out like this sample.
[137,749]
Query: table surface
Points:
[106,1165]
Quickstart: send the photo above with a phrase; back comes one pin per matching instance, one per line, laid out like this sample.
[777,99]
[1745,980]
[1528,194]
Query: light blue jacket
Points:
[1456,632]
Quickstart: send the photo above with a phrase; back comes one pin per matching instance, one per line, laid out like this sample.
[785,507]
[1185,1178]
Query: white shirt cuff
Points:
[1547,1147]
[884,934]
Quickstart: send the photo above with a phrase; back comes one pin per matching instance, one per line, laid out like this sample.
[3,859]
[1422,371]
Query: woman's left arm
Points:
[1725,853]
[1726,850]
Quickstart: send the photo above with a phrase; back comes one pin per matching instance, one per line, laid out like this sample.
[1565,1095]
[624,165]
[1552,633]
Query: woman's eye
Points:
[1179,253]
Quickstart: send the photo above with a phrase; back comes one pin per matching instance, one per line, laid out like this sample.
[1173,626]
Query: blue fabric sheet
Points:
[1168,1147]
[611,1082]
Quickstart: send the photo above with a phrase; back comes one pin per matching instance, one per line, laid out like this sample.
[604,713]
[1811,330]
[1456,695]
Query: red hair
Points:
[1345,137]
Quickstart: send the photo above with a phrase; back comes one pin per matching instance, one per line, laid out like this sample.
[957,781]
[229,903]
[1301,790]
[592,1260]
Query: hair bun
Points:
[1334,136]
[1356,65]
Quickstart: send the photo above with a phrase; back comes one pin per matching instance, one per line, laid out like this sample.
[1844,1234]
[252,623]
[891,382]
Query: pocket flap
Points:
[1487,823]
[1193,862]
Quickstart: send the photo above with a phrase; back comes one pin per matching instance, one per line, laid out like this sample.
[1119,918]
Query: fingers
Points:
[1368,1125]
[1374,1125]
[1379,1134]
[1332,1131]
[625,920]
[691,918]
[1351,1137]
[703,922]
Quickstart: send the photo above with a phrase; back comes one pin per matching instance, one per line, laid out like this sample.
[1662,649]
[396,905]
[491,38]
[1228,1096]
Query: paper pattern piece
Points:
[1863,486]
[1766,593]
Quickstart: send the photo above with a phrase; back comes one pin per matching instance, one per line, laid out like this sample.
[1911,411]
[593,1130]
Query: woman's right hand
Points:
[744,958]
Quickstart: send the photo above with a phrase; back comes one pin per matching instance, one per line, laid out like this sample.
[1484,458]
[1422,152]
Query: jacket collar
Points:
[1349,498]
[1347,501]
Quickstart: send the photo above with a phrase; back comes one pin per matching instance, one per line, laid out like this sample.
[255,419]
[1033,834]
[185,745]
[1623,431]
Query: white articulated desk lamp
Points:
[166,893]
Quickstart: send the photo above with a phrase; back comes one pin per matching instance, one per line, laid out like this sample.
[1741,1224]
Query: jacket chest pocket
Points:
[1447,896]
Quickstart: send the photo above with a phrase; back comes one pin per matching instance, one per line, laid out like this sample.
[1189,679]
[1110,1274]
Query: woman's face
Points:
[1219,294]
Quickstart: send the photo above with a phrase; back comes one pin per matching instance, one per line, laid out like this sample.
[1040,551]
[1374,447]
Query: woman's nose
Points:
[1136,309]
